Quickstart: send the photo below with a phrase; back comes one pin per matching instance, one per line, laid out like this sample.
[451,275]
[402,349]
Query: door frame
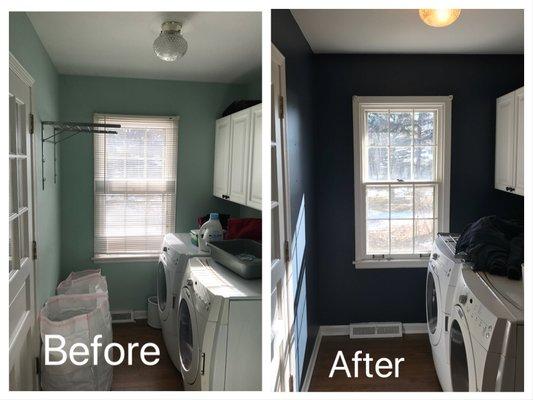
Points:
[23,74]
[285,263]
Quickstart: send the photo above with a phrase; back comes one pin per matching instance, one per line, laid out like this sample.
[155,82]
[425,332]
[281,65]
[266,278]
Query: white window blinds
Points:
[134,185]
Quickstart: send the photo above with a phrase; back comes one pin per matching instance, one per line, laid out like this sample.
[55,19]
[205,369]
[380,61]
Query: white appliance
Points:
[175,252]
[219,330]
[440,284]
[487,333]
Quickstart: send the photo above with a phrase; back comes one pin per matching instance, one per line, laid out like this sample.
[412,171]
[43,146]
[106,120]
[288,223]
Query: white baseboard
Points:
[344,330]
[312,361]
[140,314]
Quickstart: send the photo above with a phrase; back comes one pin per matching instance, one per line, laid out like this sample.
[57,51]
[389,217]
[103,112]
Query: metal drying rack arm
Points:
[73,128]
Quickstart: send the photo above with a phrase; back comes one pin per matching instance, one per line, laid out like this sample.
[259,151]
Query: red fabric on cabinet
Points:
[244,228]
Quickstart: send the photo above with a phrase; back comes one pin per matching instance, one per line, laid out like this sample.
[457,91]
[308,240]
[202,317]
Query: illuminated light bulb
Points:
[439,17]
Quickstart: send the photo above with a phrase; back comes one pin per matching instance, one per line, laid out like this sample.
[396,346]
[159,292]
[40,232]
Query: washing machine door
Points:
[188,341]
[462,364]
[434,305]
[164,289]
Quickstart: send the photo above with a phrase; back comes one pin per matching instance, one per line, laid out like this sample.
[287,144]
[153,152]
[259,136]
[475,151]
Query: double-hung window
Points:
[134,186]
[402,174]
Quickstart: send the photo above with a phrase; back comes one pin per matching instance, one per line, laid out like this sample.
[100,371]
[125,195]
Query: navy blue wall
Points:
[301,94]
[347,295]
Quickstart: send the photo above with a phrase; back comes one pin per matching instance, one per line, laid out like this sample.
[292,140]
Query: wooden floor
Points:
[417,372]
[162,376]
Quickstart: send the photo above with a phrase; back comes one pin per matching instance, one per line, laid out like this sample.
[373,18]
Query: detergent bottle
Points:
[210,231]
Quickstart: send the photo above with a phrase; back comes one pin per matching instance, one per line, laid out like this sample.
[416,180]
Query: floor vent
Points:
[120,317]
[376,330]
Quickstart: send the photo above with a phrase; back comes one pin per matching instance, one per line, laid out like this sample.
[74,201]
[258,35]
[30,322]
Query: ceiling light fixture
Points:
[170,45]
[439,17]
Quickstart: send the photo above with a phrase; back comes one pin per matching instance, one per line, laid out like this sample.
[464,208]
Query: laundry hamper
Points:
[78,318]
[153,313]
[80,282]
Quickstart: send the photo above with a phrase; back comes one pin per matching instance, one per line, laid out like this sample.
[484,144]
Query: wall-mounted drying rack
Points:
[72,129]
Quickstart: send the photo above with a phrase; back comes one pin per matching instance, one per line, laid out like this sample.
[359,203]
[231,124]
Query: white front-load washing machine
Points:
[175,252]
[441,276]
[487,333]
[219,328]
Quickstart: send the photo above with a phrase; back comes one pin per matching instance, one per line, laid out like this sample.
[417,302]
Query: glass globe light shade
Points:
[170,45]
[439,17]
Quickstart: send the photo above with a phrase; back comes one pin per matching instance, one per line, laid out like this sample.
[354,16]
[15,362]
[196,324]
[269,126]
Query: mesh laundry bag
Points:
[78,318]
[88,281]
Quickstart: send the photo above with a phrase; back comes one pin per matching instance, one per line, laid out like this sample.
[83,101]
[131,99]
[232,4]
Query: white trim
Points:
[102,259]
[312,361]
[140,314]
[20,71]
[391,264]
[413,328]
[409,328]
[443,168]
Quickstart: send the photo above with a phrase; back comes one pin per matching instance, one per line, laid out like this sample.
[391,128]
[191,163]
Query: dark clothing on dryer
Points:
[494,245]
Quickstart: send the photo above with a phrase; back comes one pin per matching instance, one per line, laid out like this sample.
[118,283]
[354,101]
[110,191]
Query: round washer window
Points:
[432,307]
[458,361]
[161,286]
[185,335]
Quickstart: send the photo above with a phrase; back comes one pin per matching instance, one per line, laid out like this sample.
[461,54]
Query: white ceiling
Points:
[402,31]
[223,46]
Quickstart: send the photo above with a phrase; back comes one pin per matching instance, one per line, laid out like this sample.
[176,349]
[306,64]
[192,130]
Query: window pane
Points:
[155,144]
[424,198]
[377,129]
[401,124]
[154,169]
[116,168]
[401,236]
[377,237]
[378,164]
[13,186]
[23,182]
[24,246]
[401,202]
[424,126]
[400,160]
[14,244]
[423,163]
[135,140]
[116,145]
[424,235]
[377,202]
[135,169]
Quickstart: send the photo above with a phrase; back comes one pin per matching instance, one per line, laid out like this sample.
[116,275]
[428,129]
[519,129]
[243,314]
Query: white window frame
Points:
[135,257]
[443,105]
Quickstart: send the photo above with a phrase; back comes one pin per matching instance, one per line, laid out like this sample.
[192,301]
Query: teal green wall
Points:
[26,46]
[198,105]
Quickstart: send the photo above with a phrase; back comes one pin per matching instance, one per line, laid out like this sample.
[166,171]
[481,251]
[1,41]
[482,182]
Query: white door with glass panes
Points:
[222,154]
[401,178]
[282,340]
[23,349]
[240,137]
[254,198]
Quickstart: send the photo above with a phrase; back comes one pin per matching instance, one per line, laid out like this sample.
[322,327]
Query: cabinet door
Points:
[519,147]
[240,139]
[505,141]
[222,157]
[254,184]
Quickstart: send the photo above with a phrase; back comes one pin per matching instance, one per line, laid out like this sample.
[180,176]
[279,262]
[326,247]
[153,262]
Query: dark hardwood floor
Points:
[417,372]
[162,376]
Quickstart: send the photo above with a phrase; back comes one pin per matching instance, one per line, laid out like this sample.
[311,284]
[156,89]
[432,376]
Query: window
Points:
[401,178]
[134,185]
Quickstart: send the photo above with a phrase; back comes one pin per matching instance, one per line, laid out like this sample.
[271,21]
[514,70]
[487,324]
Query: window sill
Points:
[124,258]
[388,264]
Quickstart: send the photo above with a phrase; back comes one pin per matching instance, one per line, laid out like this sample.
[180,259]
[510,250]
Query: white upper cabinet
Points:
[222,157]
[240,142]
[509,166]
[237,164]
[519,104]
[254,183]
